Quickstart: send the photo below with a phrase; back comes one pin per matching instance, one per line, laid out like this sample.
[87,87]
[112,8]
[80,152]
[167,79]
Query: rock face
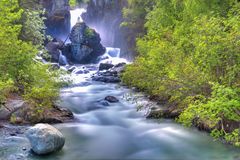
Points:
[54,49]
[45,139]
[58,17]
[106,16]
[85,44]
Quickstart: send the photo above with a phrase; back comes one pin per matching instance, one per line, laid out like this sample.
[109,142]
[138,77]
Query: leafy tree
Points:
[190,56]
[18,69]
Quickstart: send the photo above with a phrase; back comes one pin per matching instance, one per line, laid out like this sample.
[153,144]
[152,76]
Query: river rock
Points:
[104,103]
[105,66]
[4,113]
[112,75]
[10,107]
[54,49]
[85,44]
[82,71]
[111,99]
[106,79]
[54,66]
[71,69]
[45,139]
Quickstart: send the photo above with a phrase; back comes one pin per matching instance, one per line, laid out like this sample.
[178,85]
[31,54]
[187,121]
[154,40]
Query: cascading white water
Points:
[62,59]
[116,130]
[113,52]
[112,55]
[76,15]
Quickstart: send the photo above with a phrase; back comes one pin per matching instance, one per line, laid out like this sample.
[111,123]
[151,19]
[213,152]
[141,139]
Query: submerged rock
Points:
[111,99]
[86,44]
[45,139]
[104,103]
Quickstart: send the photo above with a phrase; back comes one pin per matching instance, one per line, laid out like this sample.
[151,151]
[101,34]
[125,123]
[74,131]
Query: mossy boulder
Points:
[86,44]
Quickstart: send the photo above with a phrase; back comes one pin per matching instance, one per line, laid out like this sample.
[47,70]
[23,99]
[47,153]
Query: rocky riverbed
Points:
[108,126]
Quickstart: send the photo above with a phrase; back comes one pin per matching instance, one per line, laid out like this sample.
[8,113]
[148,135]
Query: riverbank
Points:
[104,130]
[219,122]
[18,111]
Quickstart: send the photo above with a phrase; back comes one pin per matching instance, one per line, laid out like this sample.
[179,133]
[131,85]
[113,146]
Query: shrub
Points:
[190,46]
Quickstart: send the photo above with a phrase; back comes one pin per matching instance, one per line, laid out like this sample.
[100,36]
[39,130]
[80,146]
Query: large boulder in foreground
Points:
[86,44]
[45,139]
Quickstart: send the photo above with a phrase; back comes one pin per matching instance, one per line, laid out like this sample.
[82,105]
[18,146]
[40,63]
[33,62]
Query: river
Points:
[117,130]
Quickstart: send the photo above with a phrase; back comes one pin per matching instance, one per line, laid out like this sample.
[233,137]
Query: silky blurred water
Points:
[118,131]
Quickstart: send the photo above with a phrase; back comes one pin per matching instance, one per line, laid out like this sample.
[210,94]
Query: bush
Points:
[33,28]
[224,104]
[18,70]
[6,87]
[189,46]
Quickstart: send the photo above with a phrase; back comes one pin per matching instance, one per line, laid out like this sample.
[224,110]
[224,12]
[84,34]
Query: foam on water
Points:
[112,55]
[62,59]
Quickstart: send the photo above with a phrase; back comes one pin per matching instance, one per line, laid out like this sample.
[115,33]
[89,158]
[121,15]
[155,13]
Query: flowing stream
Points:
[117,130]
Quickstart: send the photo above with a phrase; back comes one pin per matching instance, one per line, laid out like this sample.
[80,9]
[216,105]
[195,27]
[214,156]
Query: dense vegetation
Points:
[190,56]
[74,3]
[21,37]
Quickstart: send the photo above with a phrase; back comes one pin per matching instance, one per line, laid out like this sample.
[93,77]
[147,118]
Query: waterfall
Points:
[62,59]
[113,52]
[75,15]
[112,55]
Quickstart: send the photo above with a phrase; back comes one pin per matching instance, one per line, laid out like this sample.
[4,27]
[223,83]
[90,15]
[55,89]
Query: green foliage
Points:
[18,70]
[233,137]
[83,1]
[32,21]
[73,3]
[45,55]
[89,32]
[33,27]
[224,103]
[6,87]
[134,19]
[43,89]
[189,46]
[136,11]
